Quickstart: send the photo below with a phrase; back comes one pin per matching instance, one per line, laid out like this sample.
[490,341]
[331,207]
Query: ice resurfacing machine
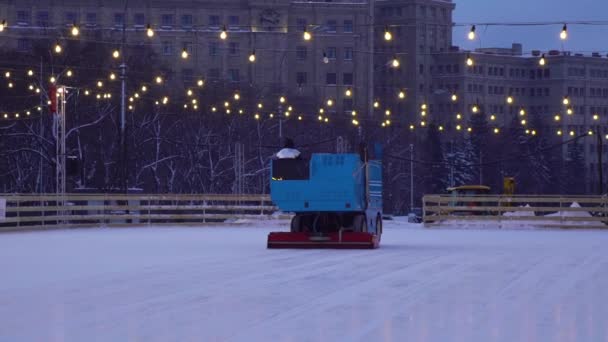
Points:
[336,199]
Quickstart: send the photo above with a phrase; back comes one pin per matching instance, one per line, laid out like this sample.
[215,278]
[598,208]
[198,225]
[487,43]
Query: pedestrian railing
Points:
[85,210]
[505,211]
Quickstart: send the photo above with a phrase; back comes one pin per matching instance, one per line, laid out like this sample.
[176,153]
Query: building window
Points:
[187,20]
[348,26]
[139,19]
[233,75]
[301,53]
[348,53]
[331,52]
[347,105]
[166,20]
[301,78]
[42,19]
[167,48]
[330,78]
[213,74]
[91,19]
[233,49]
[71,18]
[24,18]
[24,45]
[188,75]
[347,78]
[332,26]
[233,21]
[119,19]
[214,20]
[214,48]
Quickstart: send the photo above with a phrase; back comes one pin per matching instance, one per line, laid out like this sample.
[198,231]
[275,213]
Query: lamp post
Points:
[123,95]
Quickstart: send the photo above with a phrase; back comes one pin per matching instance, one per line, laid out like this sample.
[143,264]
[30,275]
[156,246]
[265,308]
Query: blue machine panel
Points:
[335,183]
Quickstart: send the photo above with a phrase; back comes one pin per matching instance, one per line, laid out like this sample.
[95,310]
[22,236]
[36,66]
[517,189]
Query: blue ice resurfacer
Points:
[336,198]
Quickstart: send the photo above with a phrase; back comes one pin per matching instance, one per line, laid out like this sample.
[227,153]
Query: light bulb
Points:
[99,84]
[116,54]
[252,57]
[75,30]
[596,117]
[423,106]
[189,92]
[237,96]
[307,35]
[510,99]
[58,48]
[3,25]
[53,79]
[376,104]
[325,58]
[144,89]
[112,76]
[475,109]
[159,80]
[30,72]
[496,130]
[440,128]
[260,105]
[330,103]
[472,33]
[7,74]
[566,101]
[542,61]
[224,33]
[348,92]
[282,99]
[557,118]
[401,95]
[200,83]
[454,97]
[387,34]
[150,31]
[522,112]
[185,54]
[395,63]
[492,117]
[469,60]
[564,34]
[69,73]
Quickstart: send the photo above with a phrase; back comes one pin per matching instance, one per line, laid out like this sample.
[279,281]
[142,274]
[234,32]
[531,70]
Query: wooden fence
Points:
[82,210]
[537,211]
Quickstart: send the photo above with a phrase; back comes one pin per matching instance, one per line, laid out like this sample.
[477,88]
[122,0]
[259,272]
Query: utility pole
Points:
[600,151]
[411,177]
[41,177]
[370,71]
[123,80]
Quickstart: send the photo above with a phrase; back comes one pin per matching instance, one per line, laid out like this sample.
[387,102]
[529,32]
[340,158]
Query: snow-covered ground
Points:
[222,284]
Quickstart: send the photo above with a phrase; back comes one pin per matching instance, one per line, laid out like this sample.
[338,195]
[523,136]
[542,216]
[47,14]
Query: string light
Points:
[325,58]
[184,54]
[226,104]
[472,33]
[260,105]
[469,60]
[423,113]
[165,100]
[237,96]
[559,132]
[58,48]
[200,83]
[542,61]
[306,35]
[569,111]
[53,79]
[458,127]
[348,92]
[440,128]
[10,84]
[144,88]
[300,118]
[557,118]
[454,97]
[116,54]
[149,31]
[69,73]
[355,122]
[564,34]
[496,130]
[458,116]
[7,74]
[75,30]
[159,80]
[353,113]
[469,129]
[330,103]
[86,93]
[224,33]
[423,106]
[492,117]
[401,94]
[387,34]
[523,122]
[510,99]
[376,104]
[475,109]
[112,76]
[395,63]
[3,25]
[189,92]
[412,127]
[282,99]
[257,116]
[566,101]
[252,56]
[522,112]
[387,112]
[99,84]
[596,117]
[214,109]
[572,133]
[30,72]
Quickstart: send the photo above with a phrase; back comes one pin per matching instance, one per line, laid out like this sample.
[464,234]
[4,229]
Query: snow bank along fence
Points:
[80,210]
[538,211]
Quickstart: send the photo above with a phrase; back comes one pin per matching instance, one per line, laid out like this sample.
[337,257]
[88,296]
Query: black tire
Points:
[379,225]
[296,224]
[360,224]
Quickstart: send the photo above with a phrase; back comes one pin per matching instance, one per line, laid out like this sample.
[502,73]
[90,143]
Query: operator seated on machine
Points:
[288,151]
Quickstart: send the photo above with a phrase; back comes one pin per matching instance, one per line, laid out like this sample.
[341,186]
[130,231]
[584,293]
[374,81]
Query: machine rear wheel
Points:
[360,224]
[296,223]
[379,225]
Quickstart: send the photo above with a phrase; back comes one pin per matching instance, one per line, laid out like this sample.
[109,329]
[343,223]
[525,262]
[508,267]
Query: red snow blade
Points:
[347,240]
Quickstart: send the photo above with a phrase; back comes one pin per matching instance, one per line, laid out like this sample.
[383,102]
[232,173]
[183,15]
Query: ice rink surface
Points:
[222,284]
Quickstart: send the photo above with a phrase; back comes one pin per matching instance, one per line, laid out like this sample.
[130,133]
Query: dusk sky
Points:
[582,38]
